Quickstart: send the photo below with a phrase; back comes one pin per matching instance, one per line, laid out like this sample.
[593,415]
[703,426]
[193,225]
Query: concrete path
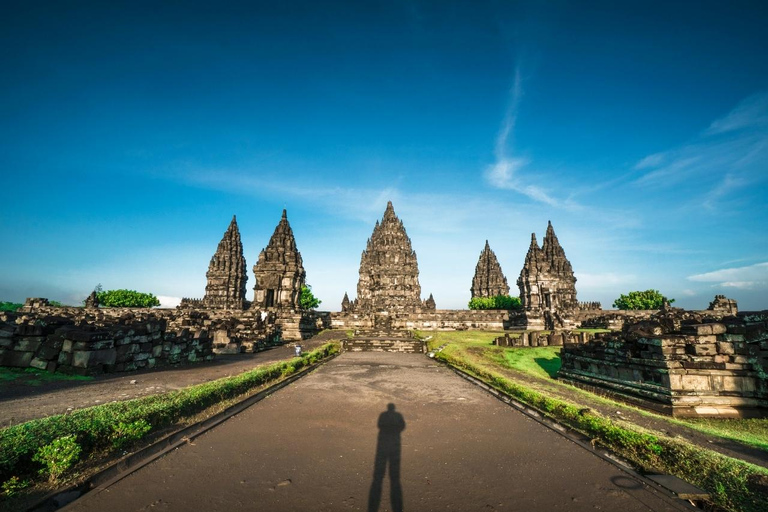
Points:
[313,447]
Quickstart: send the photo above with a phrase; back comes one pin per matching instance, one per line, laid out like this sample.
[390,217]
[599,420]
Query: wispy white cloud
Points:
[724,159]
[751,112]
[749,277]
[729,183]
[653,160]
[505,172]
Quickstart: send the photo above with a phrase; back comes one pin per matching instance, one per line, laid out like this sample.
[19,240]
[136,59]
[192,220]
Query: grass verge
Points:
[35,377]
[733,484]
[106,428]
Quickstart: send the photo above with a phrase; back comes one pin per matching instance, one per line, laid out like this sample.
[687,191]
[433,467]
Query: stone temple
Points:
[547,284]
[279,272]
[227,272]
[489,280]
[389,272]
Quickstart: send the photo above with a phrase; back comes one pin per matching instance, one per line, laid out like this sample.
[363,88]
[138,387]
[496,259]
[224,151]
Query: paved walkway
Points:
[317,445]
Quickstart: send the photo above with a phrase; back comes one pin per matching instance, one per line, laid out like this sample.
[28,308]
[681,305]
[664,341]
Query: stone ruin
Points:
[723,305]
[389,272]
[104,340]
[227,272]
[92,301]
[388,289]
[280,271]
[541,338]
[489,280]
[547,284]
[682,363]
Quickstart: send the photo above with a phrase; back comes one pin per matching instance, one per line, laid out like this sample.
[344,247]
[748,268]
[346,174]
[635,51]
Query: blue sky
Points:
[131,132]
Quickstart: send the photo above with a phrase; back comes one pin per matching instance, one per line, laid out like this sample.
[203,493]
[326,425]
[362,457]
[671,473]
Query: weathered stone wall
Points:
[440,320]
[542,339]
[97,340]
[609,319]
[716,368]
[301,325]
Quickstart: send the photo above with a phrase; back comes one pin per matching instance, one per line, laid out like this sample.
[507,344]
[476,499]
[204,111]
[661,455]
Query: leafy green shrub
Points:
[649,299]
[13,485]
[126,299]
[10,306]
[496,302]
[307,300]
[125,434]
[58,456]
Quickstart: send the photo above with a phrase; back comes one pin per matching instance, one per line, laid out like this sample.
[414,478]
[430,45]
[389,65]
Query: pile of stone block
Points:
[94,340]
[58,344]
[714,368]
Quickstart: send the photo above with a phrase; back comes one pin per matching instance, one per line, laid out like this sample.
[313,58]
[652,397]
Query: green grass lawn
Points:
[34,377]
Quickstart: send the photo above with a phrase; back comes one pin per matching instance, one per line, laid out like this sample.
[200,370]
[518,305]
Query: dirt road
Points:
[328,442]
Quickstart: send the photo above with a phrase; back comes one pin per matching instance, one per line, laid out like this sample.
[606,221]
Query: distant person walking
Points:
[391,423]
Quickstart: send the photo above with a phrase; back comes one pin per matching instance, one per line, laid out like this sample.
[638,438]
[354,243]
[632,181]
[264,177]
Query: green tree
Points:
[307,300]
[496,302]
[126,299]
[649,299]
[10,306]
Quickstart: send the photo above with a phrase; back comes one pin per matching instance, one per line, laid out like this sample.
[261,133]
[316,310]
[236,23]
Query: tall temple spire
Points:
[227,274]
[546,282]
[389,272]
[489,280]
[280,271]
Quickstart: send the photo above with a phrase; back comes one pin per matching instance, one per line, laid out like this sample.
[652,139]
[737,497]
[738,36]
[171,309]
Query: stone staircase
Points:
[384,342]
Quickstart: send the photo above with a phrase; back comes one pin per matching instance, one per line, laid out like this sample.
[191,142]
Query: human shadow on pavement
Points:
[391,424]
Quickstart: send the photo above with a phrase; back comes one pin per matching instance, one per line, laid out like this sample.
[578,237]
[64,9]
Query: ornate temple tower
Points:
[489,280]
[389,272]
[279,272]
[547,284]
[227,272]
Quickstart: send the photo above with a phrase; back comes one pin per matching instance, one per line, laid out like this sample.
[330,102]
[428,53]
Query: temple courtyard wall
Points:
[433,320]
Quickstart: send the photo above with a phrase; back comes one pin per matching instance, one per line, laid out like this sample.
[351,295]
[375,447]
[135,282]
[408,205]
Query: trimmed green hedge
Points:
[96,428]
[726,479]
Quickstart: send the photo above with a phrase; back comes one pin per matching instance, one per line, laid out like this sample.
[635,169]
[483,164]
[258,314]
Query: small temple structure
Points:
[547,284]
[226,276]
[279,272]
[389,272]
[227,272]
[489,280]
